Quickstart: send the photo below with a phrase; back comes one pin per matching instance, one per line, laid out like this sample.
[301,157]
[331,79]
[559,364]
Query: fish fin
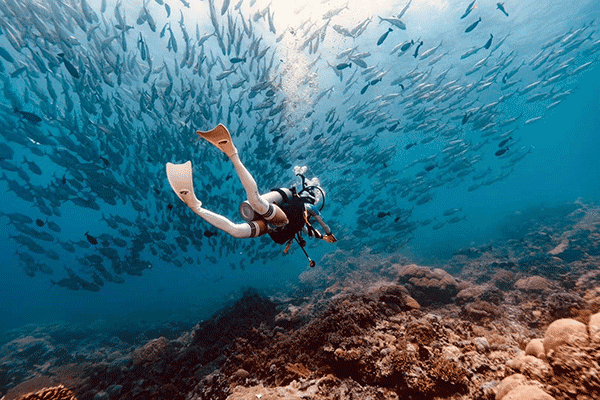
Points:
[180,179]
[221,138]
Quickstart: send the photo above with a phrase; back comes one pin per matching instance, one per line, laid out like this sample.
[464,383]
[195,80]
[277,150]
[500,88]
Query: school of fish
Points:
[94,102]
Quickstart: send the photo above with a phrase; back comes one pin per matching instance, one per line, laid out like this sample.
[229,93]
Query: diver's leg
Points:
[269,211]
[221,138]
[180,179]
[245,230]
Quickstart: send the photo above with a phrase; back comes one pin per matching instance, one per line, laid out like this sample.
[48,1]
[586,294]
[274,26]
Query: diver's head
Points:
[309,197]
[311,190]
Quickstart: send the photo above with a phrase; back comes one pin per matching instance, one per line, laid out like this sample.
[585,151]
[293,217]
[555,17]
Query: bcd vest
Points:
[293,207]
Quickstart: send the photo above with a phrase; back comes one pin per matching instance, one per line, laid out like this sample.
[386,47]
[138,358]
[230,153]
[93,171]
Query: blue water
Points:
[351,163]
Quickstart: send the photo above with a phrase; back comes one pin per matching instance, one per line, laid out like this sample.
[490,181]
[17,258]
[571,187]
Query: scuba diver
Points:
[282,213]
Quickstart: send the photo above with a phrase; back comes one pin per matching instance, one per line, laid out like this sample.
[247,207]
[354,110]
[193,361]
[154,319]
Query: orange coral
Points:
[298,369]
[449,372]
[52,393]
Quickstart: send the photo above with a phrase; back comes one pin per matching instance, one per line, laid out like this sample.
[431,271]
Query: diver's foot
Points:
[221,138]
[180,179]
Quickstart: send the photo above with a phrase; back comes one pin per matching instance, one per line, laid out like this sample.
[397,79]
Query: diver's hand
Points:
[330,238]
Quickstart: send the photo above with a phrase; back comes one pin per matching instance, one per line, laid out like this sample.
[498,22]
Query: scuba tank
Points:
[274,196]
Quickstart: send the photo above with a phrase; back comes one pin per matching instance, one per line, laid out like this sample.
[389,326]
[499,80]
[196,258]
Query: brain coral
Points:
[536,348]
[563,331]
[152,351]
[428,286]
[534,284]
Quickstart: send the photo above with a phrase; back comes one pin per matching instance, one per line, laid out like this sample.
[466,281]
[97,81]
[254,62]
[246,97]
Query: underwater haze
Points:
[426,122]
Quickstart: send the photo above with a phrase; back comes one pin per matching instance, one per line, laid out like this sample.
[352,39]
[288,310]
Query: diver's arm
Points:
[313,212]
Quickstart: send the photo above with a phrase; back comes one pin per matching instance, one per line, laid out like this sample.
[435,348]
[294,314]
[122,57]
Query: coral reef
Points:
[515,320]
[51,393]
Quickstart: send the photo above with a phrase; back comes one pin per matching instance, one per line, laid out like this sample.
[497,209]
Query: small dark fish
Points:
[39,222]
[430,167]
[382,214]
[408,146]
[451,211]
[472,26]
[407,45]
[360,62]
[468,10]
[53,226]
[70,67]
[402,86]
[417,50]
[169,206]
[31,117]
[396,219]
[209,233]
[456,219]
[466,118]
[502,143]
[343,66]
[375,81]
[439,225]
[236,60]
[228,177]
[97,280]
[500,6]
[501,151]
[489,42]
[18,72]
[504,78]
[384,36]
[6,55]
[157,191]
[363,90]
[90,238]
[164,30]
[67,283]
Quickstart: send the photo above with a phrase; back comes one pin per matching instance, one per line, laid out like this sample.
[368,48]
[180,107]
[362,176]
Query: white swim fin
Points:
[180,179]
[221,138]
